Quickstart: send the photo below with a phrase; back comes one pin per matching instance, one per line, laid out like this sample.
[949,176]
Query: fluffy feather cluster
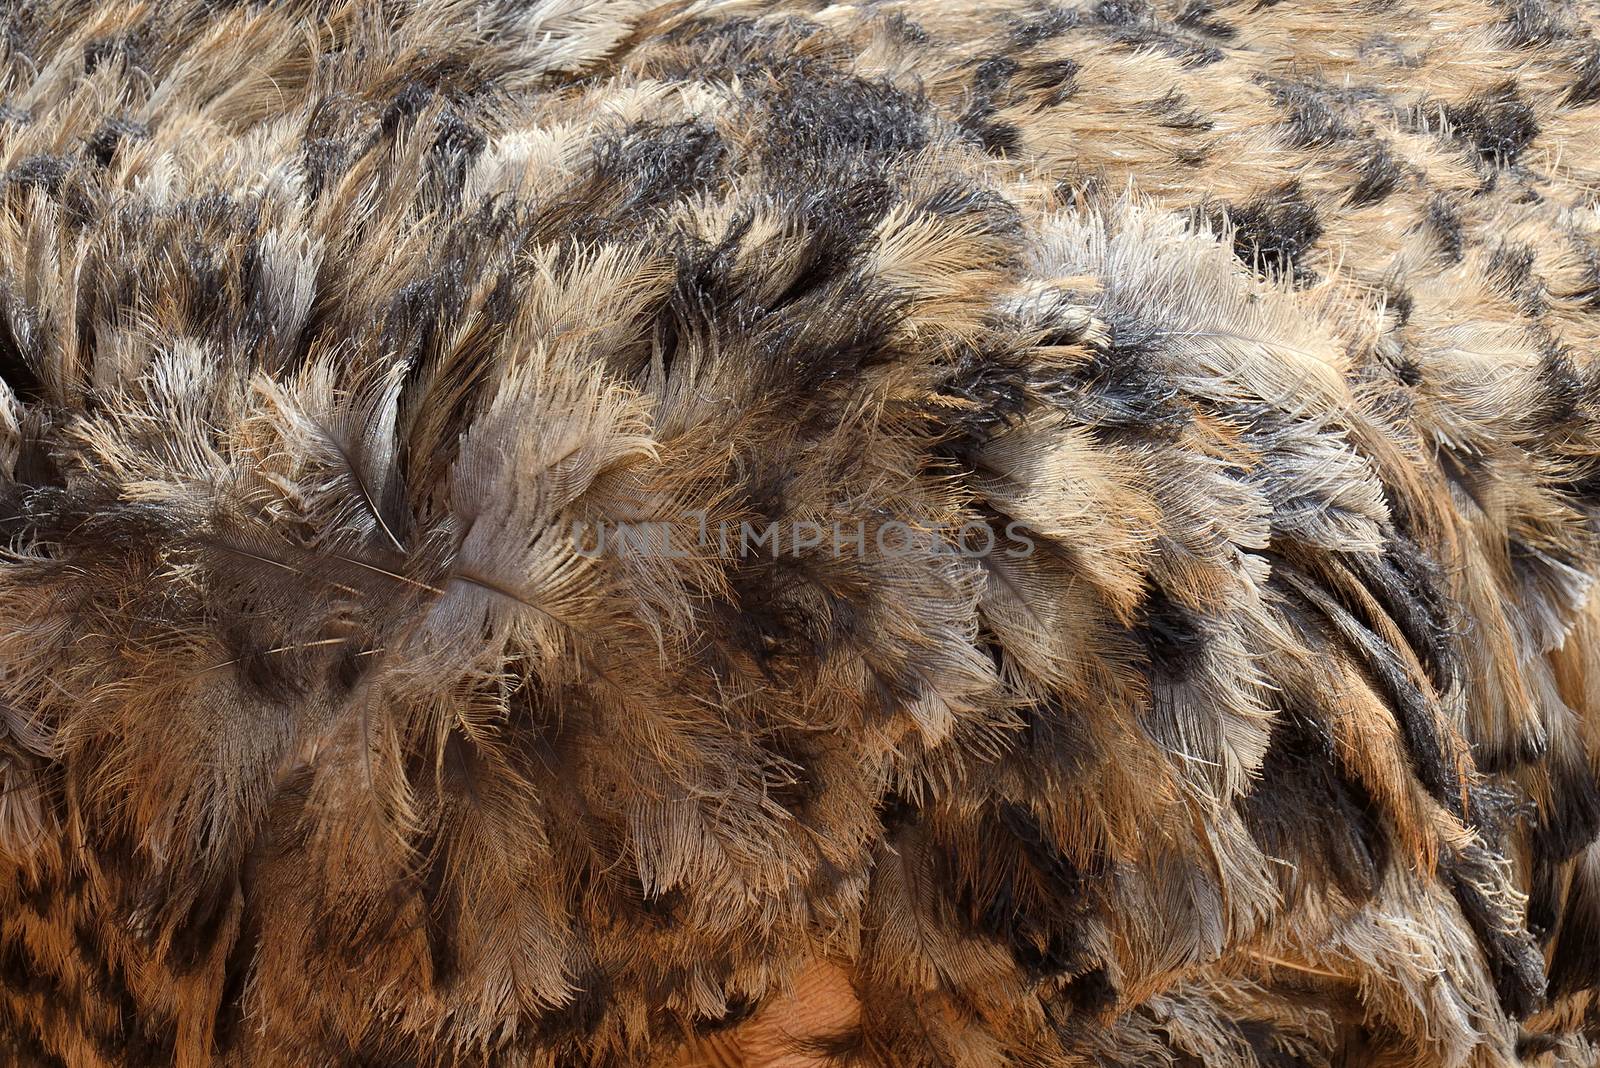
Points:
[1272,327]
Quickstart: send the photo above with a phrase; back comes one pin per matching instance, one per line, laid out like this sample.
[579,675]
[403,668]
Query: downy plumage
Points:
[326,327]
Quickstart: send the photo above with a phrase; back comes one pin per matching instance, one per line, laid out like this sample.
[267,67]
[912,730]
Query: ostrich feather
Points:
[982,533]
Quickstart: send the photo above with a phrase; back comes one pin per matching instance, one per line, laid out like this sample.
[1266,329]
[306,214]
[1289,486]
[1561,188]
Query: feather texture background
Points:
[1271,328]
